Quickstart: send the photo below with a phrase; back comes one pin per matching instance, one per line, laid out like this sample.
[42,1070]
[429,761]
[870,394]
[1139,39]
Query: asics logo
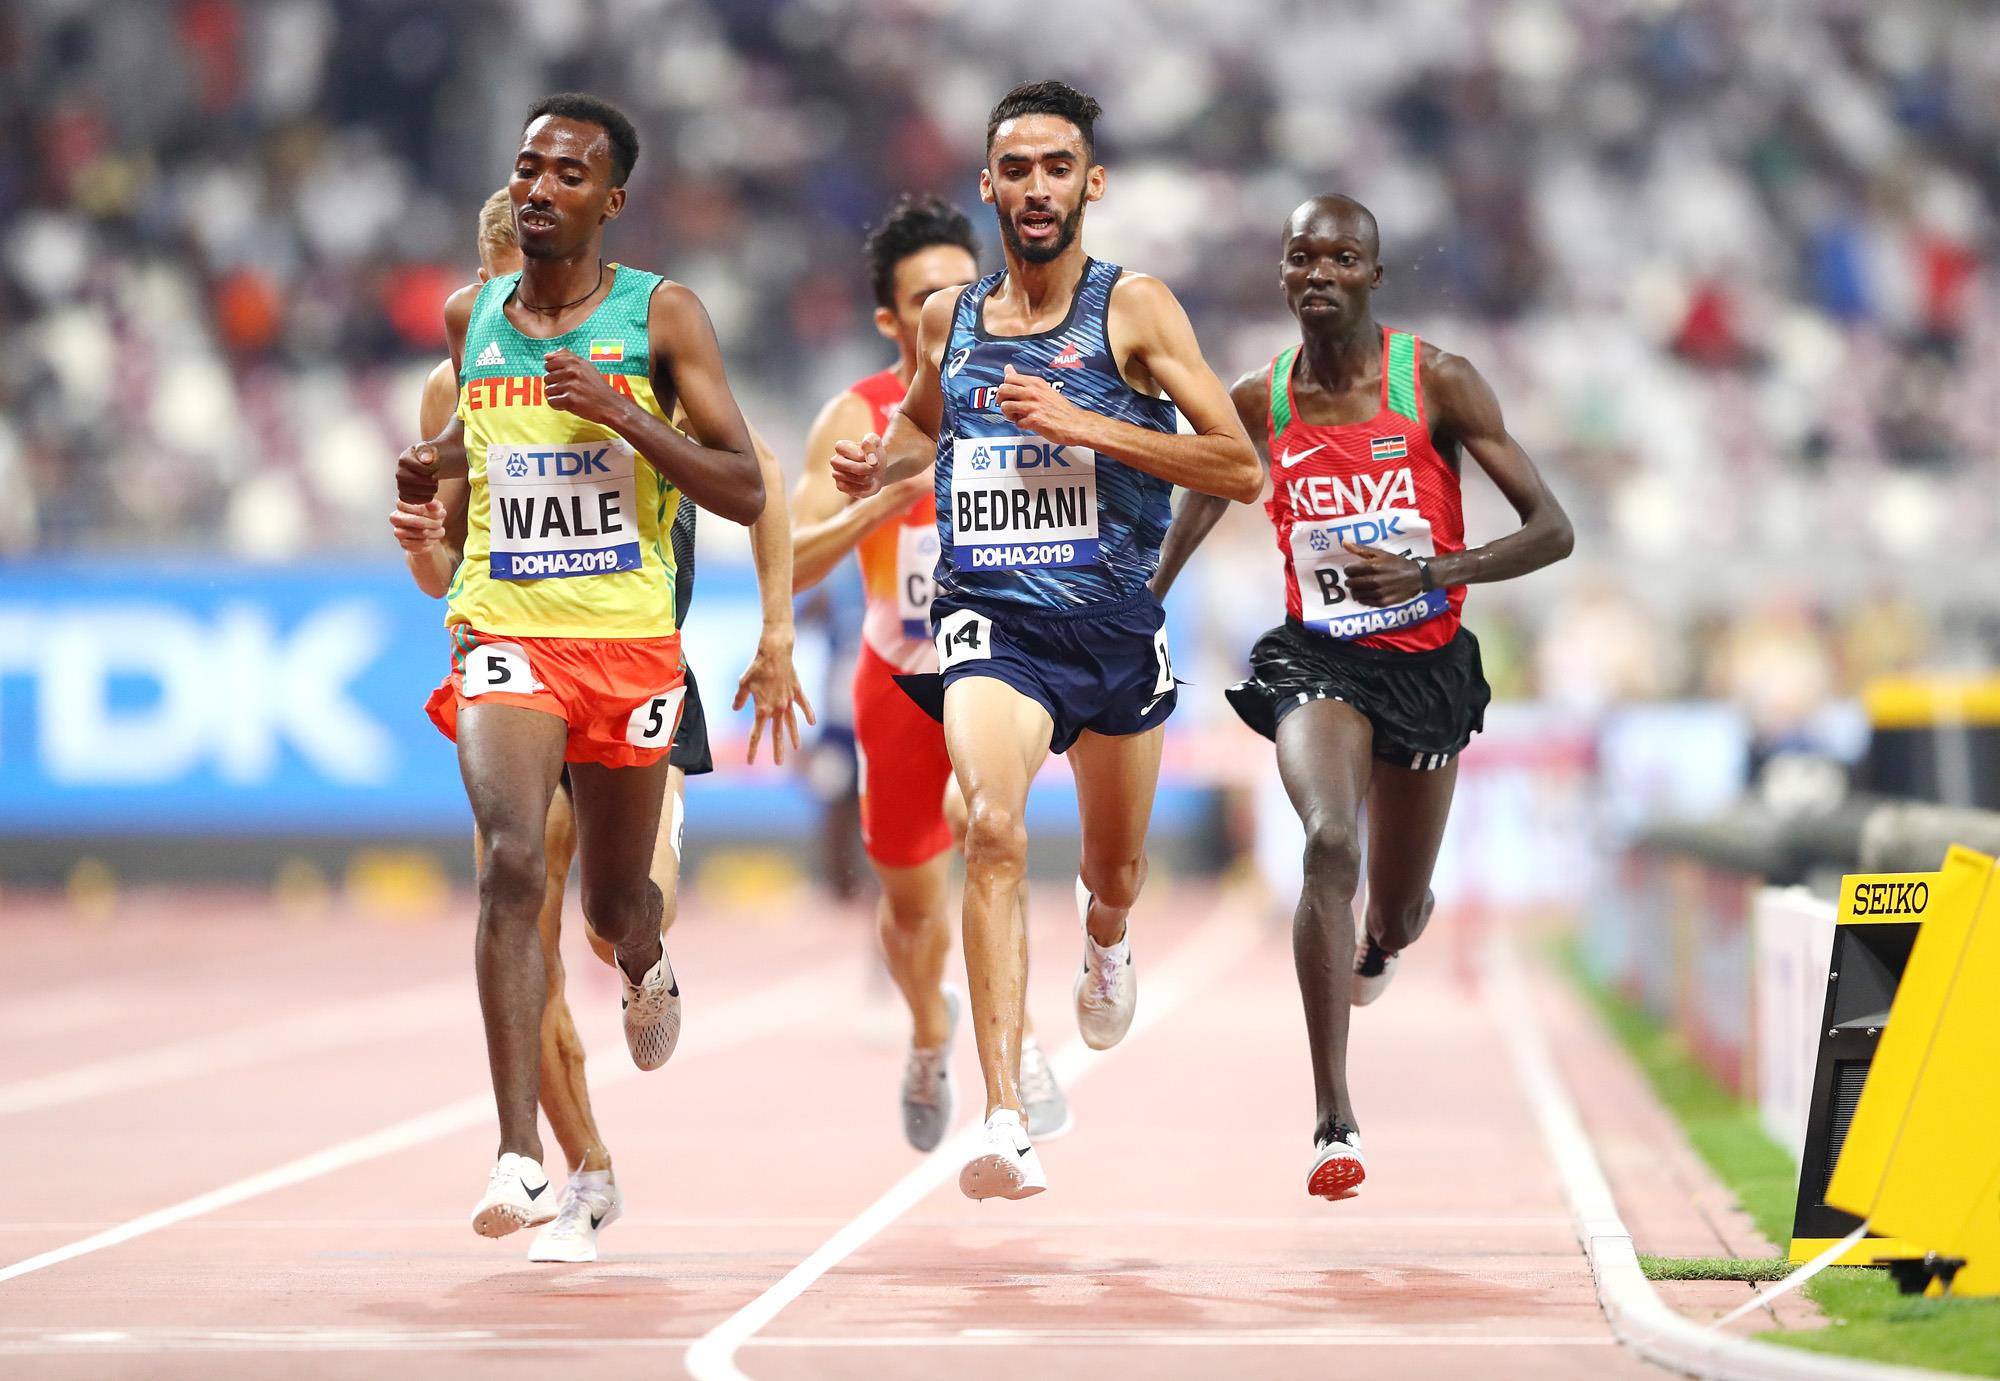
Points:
[1288,460]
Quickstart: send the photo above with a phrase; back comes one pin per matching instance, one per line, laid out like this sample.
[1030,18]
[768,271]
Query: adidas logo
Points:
[490,355]
[1068,359]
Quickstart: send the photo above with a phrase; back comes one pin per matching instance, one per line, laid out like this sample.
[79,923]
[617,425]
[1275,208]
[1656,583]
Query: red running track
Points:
[282,1124]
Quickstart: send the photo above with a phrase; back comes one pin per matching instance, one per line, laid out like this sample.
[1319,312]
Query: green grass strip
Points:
[1714,1268]
[1869,1317]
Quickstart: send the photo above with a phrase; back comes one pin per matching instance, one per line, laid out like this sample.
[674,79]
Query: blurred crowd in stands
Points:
[1726,262]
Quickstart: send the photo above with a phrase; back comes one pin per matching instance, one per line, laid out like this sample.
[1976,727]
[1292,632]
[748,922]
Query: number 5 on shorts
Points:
[963,636]
[653,723]
[498,667]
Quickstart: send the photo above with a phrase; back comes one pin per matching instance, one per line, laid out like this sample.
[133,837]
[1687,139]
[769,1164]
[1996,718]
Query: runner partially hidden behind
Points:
[908,801]
[1045,396]
[562,613]
[1370,687]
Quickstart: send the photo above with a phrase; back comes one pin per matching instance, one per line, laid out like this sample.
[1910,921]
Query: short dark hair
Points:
[913,223]
[576,105]
[1048,98]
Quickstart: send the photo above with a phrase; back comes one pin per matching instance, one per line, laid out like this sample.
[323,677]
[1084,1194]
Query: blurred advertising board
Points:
[221,699]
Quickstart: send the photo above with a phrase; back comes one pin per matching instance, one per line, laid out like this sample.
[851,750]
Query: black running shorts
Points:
[1424,706]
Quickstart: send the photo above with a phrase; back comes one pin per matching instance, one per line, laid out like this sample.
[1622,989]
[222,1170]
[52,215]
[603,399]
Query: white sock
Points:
[599,1180]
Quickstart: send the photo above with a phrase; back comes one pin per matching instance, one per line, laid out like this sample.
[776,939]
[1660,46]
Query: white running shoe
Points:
[927,1092]
[1048,1109]
[1107,987]
[590,1203]
[652,1010]
[1373,968]
[1337,1170]
[517,1196]
[1005,1166]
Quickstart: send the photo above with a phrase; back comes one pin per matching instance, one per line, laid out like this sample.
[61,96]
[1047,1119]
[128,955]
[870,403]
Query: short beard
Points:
[1048,252]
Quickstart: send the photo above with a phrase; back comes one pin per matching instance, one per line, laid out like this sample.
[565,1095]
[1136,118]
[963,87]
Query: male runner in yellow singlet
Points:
[562,613]
[433,538]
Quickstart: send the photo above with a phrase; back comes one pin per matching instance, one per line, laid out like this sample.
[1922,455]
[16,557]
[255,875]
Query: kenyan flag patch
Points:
[1388,448]
[607,352]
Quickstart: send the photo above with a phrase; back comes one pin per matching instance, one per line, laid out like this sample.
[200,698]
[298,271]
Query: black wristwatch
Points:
[1424,570]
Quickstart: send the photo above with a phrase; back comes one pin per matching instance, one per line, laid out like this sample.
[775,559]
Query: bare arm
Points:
[1198,513]
[1217,459]
[712,462]
[1463,411]
[864,466]
[770,679]
[426,531]
[441,455]
[826,525]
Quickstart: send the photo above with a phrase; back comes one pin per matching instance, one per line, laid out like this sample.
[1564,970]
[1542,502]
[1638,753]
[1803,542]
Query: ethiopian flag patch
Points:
[607,352]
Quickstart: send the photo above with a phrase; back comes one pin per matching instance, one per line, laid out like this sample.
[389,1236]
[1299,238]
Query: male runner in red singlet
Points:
[1371,688]
[924,246]
[433,538]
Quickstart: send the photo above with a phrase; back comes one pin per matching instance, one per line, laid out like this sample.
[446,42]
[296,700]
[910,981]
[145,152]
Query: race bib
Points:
[497,667]
[562,510]
[653,723]
[1019,502]
[916,565]
[1320,565]
[963,636]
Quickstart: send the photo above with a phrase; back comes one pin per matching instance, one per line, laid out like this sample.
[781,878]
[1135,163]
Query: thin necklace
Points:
[563,307]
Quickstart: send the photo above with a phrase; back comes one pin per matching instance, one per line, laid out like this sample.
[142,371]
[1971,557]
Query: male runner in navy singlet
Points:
[1045,395]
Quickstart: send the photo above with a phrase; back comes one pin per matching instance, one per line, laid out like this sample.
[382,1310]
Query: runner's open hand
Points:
[1383,579]
[1034,404]
[773,683]
[418,526]
[574,385]
[857,466]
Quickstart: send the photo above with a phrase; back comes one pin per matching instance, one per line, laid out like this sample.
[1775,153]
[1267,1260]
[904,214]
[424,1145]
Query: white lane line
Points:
[789,1004]
[1638,1317]
[1348,1221]
[338,1338]
[387,1016]
[1198,963]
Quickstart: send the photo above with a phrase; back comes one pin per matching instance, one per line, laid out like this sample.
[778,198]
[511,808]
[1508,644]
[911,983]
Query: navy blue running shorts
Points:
[1102,667]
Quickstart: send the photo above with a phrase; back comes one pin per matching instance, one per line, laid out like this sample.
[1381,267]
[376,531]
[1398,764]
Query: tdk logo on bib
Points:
[1007,454]
[1020,501]
[557,464]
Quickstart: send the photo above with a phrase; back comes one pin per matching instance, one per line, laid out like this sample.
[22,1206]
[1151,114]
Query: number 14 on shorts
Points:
[963,636]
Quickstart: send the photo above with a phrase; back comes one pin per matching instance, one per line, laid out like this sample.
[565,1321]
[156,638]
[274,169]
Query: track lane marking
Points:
[1201,960]
[360,1021]
[778,1008]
